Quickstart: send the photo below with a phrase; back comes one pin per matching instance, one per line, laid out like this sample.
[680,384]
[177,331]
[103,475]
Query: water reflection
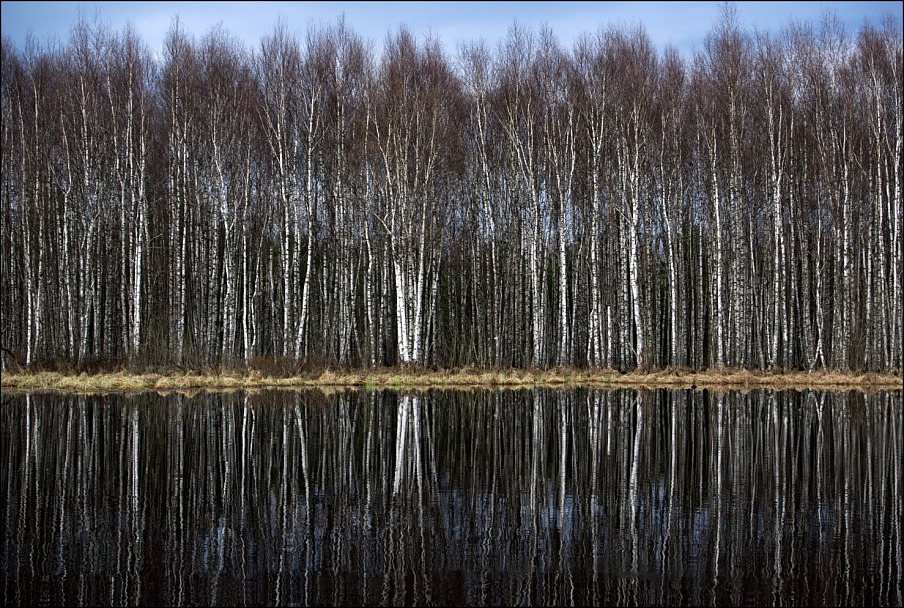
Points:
[534,497]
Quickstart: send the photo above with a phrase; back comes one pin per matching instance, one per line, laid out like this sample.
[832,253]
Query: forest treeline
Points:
[531,205]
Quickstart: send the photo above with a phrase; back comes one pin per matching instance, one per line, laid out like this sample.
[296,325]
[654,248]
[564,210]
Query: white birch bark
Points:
[777,164]
[668,199]
[717,211]
[311,145]
[634,219]
[846,255]
[369,302]
[141,233]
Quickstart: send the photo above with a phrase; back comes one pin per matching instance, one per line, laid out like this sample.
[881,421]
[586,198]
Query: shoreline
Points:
[425,379]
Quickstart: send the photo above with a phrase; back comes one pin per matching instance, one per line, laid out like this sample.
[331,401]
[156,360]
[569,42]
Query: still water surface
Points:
[529,497]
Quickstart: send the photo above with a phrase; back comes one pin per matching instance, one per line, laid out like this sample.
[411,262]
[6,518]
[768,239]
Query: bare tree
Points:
[604,205]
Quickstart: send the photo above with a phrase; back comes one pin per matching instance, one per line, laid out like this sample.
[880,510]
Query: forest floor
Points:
[423,379]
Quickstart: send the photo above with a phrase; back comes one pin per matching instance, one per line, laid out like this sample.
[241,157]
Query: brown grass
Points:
[421,379]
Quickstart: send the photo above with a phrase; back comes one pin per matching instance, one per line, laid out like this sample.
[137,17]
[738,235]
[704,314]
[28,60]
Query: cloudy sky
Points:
[682,24]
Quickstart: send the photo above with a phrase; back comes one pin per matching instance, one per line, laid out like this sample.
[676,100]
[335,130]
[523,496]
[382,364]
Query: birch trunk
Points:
[717,204]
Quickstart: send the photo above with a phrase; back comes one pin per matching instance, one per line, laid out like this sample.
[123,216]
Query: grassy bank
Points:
[415,379]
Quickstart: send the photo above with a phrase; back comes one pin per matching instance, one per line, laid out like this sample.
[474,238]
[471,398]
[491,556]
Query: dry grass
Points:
[420,379]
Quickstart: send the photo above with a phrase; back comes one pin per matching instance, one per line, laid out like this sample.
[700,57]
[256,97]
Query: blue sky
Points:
[683,24]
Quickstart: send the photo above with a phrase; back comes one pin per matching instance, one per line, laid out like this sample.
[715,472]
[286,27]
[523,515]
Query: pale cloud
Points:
[681,24]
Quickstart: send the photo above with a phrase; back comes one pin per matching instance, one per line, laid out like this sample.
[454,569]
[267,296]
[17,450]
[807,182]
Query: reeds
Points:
[423,378]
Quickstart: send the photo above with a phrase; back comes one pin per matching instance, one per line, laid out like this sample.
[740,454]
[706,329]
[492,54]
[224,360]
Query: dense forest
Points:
[320,200]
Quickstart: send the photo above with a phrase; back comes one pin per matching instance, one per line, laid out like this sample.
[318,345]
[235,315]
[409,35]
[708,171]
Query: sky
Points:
[681,24]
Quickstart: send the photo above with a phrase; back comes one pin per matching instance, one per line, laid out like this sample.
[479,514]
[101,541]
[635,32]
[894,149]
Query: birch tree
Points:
[412,109]
[319,201]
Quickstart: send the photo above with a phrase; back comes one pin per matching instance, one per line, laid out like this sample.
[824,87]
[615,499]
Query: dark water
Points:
[532,497]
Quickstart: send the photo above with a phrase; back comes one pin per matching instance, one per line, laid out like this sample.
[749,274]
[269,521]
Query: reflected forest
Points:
[321,199]
[530,497]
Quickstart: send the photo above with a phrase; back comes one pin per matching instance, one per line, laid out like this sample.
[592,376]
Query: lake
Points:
[484,497]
